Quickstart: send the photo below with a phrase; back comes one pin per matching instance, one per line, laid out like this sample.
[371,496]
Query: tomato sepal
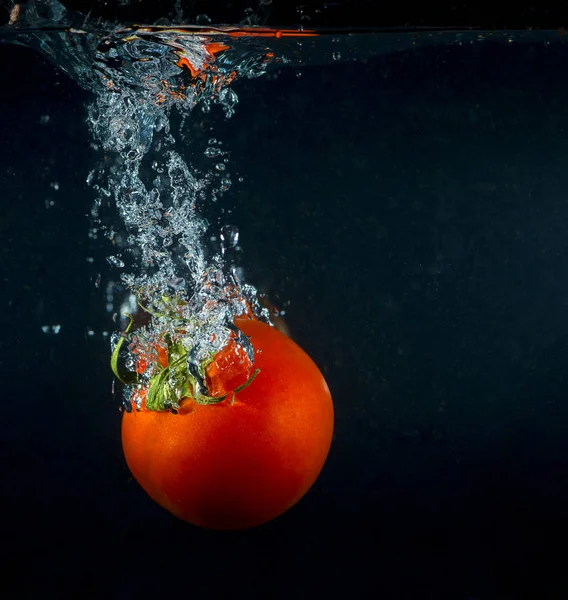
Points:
[176,376]
[126,377]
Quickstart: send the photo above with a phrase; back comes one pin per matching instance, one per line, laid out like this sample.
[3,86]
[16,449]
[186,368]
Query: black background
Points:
[412,211]
[317,13]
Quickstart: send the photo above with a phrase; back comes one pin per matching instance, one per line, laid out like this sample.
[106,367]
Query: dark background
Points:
[316,13]
[412,211]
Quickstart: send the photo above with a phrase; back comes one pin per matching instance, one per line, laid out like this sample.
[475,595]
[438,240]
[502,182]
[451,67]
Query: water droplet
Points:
[336,55]
[220,167]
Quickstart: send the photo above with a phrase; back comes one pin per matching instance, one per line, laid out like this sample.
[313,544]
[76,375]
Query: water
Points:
[410,213]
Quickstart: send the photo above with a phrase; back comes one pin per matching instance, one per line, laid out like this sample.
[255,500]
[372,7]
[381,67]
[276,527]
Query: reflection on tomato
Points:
[247,459]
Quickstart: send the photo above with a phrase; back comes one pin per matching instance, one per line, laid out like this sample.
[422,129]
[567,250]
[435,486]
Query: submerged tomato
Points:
[247,459]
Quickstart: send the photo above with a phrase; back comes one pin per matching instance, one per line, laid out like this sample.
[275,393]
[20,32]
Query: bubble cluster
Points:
[147,198]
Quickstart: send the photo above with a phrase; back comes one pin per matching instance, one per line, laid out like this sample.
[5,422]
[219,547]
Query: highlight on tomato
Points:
[235,442]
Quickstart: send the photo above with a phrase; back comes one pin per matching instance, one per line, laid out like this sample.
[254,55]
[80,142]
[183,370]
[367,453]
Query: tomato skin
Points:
[233,466]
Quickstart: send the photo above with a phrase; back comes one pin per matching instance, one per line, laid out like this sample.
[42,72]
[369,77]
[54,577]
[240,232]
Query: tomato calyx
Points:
[173,384]
[167,373]
[126,377]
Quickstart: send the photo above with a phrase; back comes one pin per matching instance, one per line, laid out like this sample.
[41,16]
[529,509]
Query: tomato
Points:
[246,459]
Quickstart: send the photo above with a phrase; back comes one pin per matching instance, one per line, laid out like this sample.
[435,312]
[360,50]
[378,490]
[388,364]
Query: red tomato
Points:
[247,459]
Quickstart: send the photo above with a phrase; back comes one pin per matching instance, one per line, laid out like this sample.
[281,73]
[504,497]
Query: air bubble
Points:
[115,261]
[53,329]
[203,19]
[229,237]
[177,284]
[212,152]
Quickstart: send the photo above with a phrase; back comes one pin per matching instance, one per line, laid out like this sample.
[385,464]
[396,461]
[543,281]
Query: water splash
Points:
[147,192]
[191,297]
